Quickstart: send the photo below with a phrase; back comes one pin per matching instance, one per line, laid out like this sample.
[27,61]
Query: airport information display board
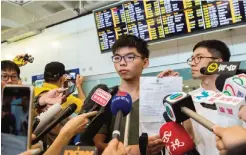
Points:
[163,19]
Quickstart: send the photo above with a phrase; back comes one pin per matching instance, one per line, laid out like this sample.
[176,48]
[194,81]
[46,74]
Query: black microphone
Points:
[225,68]
[143,143]
[64,114]
[220,81]
[104,115]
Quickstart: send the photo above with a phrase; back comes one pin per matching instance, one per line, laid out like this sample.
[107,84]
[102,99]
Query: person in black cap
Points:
[55,76]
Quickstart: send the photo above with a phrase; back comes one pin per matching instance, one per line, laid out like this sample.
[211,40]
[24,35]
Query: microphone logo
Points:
[229,90]
[101,97]
[166,136]
[212,67]
[170,112]
[240,79]
[175,97]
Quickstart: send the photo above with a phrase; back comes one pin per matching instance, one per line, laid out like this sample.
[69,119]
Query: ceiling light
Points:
[55,44]
[187,86]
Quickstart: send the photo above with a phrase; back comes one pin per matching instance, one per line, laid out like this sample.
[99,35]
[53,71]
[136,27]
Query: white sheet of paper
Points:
[152,92]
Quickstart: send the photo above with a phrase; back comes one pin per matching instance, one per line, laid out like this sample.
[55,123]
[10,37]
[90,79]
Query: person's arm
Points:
[72,127]
[79,83]
[60,141]
[99,141]
[133,149]
[18,57]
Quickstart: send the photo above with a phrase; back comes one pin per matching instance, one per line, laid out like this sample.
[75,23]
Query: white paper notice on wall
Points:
[152,92]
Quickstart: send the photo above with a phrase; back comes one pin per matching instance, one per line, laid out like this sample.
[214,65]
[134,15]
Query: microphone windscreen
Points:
[203,70]
[121,101]
[89,103]
[175,138]
[220,81]
[72,107]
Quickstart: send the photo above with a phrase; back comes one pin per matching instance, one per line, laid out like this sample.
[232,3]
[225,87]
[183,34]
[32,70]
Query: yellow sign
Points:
[78,152]
[212,67]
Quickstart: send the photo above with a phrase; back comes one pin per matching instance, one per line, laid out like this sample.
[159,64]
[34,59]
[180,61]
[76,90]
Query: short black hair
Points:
[7,65]
[216,47]
[132,41]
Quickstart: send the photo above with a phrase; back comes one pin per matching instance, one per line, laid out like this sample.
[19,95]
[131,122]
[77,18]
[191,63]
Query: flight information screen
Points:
[162,19]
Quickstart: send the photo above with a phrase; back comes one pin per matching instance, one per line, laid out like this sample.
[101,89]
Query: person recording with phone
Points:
[23,59]
[52,92]
[55,76]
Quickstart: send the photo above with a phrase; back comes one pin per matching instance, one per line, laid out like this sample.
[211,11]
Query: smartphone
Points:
[16,119]
[70,90]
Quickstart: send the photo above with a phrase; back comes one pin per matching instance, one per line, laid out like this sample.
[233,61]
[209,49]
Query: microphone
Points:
[121,106]
[207,98]
[64,114]
[225,105]
[229,105]
[98,95]
[225,68]
[176,139]
[45,118]
[166,117]
[143,143]
[92,101]
[232,86]
[180,107]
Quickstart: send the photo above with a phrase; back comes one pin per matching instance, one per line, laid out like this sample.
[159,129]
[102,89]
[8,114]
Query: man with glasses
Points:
[10,73]
[130,57]
[203,53]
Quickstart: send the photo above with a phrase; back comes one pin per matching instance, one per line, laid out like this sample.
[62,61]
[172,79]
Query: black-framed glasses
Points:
[197,59]
[127,58]
[12,77]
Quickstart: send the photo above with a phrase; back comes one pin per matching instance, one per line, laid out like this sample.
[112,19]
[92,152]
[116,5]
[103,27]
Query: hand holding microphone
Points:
[72,127]
[115,148]
[155,145]
[121,106]
[228,139]
[77,124]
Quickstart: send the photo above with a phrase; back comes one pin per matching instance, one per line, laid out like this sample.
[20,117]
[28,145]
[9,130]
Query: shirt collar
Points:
[202,89]
[49,85]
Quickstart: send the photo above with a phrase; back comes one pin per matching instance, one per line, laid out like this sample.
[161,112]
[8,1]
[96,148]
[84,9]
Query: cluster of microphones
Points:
[177,108]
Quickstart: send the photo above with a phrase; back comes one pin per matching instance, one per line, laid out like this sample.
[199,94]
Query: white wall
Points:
[75,44]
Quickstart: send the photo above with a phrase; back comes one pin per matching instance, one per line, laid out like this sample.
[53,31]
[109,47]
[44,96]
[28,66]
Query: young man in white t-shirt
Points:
[203,53]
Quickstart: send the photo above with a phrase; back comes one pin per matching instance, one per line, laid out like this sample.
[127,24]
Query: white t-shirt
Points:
[205,139]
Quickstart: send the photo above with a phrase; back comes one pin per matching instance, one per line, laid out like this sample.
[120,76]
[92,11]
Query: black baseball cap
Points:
[54,70]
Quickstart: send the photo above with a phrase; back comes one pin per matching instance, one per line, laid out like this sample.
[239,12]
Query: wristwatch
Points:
[36,101]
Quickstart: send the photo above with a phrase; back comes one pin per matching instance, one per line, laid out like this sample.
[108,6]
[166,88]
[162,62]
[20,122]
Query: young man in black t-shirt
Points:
[130,57]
